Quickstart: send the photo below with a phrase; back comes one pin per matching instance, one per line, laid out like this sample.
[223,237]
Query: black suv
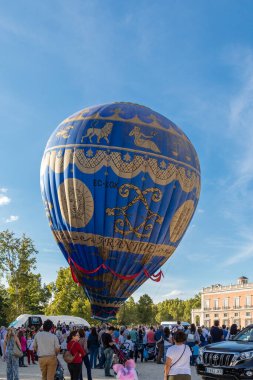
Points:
[231,359]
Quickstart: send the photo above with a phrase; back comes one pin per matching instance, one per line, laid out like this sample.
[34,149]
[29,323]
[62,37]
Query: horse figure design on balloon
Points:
[119,210]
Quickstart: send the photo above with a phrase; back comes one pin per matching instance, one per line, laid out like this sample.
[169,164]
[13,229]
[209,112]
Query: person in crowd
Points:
[22,339]
[126,332]
[108,351]
[216,332]
[3,332]
[86,361]
[129,345]
[192,335]
[87,332]
[12,361]
[195,352]
[167,341]
[64,341]
[93,347]
[58,333]
[116,335]
[121,338]
[232,332]
[225,331]
[202,338]
[159,338]
[177,327]
[101,346]
[151,335]
[133,335]
[75,348]
[139,347]
[47,347]
[177,365]
[30,352]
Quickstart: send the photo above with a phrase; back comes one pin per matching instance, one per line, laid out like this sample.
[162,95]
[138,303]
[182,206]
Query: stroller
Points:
[150,352]
[119,356]
[59,374]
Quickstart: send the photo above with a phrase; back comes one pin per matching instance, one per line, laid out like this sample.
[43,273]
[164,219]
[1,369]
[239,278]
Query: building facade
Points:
[229,304]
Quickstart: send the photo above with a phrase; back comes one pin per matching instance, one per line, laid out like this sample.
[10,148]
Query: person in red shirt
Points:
[77,351]
[151,335]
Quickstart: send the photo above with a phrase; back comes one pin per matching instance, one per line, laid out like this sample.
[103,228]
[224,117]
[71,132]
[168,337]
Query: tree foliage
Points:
[68,297]
[26,294]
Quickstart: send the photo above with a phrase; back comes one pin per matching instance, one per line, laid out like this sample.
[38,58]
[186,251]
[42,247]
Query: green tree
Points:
[68,297]
[127,314]
[4,305]
[17,262]
[145,310]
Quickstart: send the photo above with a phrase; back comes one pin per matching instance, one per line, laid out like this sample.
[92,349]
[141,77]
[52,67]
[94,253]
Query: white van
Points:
[172,324]
[27,320]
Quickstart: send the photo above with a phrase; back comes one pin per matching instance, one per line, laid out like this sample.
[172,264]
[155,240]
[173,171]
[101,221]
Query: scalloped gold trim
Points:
[161,173]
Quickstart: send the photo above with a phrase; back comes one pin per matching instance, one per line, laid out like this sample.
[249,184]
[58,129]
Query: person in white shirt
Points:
[177,365]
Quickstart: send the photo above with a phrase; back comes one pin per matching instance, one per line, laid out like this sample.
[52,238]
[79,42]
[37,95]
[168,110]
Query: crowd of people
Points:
[103,346]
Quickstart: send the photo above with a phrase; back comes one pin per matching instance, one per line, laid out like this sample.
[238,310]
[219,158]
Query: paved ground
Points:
[146,371]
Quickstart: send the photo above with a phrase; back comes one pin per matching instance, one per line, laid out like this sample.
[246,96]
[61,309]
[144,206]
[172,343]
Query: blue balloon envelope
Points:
[120,184]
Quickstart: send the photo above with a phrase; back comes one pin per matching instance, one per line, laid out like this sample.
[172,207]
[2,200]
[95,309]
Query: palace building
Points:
[227,303]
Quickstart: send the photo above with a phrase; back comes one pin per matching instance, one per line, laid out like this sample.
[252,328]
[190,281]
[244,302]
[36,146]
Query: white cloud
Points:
[3,190]
[200,210]
[174,294]
[12,218]
[4,200]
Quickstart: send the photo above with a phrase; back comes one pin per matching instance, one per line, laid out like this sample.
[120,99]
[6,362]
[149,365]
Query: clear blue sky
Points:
[191,60]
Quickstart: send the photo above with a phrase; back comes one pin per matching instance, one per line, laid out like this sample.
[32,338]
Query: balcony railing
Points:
[216,308]
[237,307]
[248,306]
[226,307]
[207,308]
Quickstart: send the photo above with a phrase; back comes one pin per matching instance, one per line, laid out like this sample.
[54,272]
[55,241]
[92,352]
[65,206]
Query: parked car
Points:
[231,359]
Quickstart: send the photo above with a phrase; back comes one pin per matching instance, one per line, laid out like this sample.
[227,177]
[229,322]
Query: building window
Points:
[216,315]
[225,303]
[248,301]
[207,304]
[216,304]
[207,315]
[248,313]
[237,302]
[236,314]
[225,315]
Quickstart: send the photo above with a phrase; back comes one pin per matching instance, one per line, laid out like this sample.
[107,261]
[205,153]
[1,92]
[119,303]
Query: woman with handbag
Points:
[177,366]
[76,350]
[12,351]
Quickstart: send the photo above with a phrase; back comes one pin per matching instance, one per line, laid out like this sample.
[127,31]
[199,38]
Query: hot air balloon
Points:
[120,184]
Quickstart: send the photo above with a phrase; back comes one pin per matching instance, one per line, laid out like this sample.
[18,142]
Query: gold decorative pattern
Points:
[113,244]
[76,202]
[143,141]
[90,164]
[64,132]
[181,220]
[123,225]
[100,133]
[84,115]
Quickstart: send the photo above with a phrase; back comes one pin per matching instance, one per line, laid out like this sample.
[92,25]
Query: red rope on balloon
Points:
[154,277]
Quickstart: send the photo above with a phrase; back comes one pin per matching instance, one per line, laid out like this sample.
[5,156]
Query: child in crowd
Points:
[129,346]
[30,352]
[195,352]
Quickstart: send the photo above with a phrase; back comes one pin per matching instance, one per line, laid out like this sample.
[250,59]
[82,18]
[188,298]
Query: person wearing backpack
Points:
[177,365]
[77,351]
[192,335]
